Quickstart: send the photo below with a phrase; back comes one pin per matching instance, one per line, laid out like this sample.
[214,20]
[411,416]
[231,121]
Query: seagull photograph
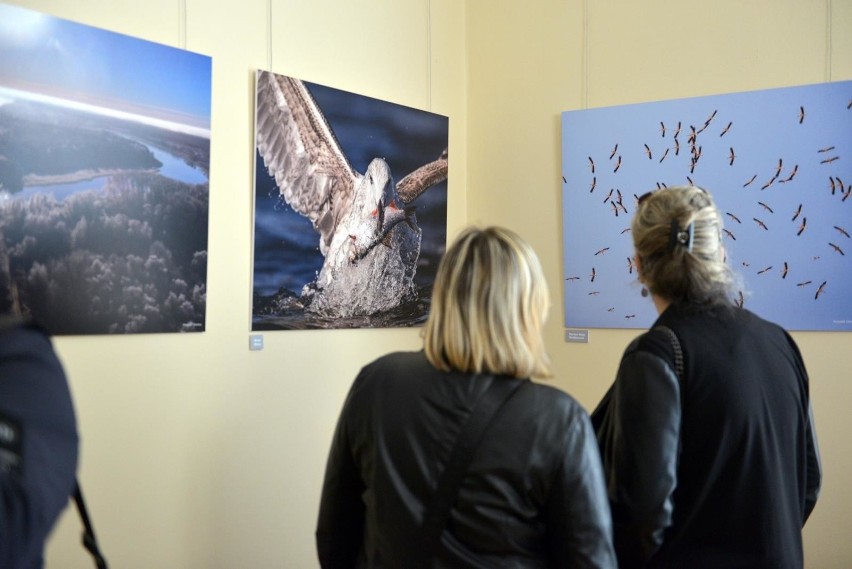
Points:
[350,207]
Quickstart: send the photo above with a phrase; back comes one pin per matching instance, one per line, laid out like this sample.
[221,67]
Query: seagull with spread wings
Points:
[368,232]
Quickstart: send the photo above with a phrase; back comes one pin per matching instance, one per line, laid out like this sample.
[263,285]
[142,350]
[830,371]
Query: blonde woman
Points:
[532,494]
[706,435]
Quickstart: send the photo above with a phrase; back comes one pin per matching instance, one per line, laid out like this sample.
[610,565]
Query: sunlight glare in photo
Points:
[22,28]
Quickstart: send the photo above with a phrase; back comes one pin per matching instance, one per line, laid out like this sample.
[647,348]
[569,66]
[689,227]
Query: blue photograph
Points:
[104,178]
[350,208]
[778,163]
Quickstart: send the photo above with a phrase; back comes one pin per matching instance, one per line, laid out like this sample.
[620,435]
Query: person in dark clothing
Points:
[532,495]
[38,443]
[707,438]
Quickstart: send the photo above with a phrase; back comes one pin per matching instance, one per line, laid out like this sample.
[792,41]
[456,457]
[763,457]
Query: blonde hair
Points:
[489,304]
[680,263]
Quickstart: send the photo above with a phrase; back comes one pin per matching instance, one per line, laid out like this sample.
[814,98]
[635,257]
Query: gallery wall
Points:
[530,61]
[198,453]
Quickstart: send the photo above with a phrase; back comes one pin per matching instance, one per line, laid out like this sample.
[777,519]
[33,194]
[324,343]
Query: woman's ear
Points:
[637,262]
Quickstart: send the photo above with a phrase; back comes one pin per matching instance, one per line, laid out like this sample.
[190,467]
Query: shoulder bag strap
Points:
[438,510]
[90,542]
[678,351]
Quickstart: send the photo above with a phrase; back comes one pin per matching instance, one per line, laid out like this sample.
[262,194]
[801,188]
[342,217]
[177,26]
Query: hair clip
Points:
[682,237]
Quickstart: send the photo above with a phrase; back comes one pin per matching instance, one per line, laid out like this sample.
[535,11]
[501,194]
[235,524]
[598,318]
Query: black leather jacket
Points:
[721,468]
[532,497]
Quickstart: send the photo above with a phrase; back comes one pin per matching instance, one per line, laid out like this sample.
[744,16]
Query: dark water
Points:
[291,315]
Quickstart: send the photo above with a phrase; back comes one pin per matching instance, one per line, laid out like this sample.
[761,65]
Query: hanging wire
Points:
[585,54]
[269,35]
[182,24]
[828,41]
[429,52]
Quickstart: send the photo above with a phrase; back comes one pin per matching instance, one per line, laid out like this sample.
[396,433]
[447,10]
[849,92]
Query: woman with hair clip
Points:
[405,484]
[706,436]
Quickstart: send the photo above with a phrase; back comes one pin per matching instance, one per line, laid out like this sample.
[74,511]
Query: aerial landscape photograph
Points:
[104,178]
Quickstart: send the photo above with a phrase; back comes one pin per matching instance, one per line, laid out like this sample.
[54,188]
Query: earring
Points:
[644,292]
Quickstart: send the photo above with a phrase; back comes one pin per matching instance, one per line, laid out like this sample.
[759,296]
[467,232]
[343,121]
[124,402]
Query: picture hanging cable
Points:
[182,23]
[828,41]
[269,35]
[585,54]
[429,51]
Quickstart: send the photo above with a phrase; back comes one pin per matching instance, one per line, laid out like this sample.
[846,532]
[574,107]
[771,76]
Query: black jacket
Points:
[38,444]
[533,495]
[721,469]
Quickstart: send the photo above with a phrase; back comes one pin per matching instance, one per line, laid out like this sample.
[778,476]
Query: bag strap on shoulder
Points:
[678,351]
[482,416]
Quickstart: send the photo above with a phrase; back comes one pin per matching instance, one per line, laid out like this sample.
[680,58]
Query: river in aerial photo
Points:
[172,167]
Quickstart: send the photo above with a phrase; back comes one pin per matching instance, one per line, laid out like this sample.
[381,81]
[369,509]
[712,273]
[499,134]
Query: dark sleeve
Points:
[640,454]
[578,516]
[813,467]
[340,527]
[39,450]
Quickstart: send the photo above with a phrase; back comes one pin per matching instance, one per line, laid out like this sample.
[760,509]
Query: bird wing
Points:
[301,152]
[423,178]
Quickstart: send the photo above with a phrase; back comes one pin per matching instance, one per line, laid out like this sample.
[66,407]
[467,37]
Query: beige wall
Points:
[529,61]
[200,454]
